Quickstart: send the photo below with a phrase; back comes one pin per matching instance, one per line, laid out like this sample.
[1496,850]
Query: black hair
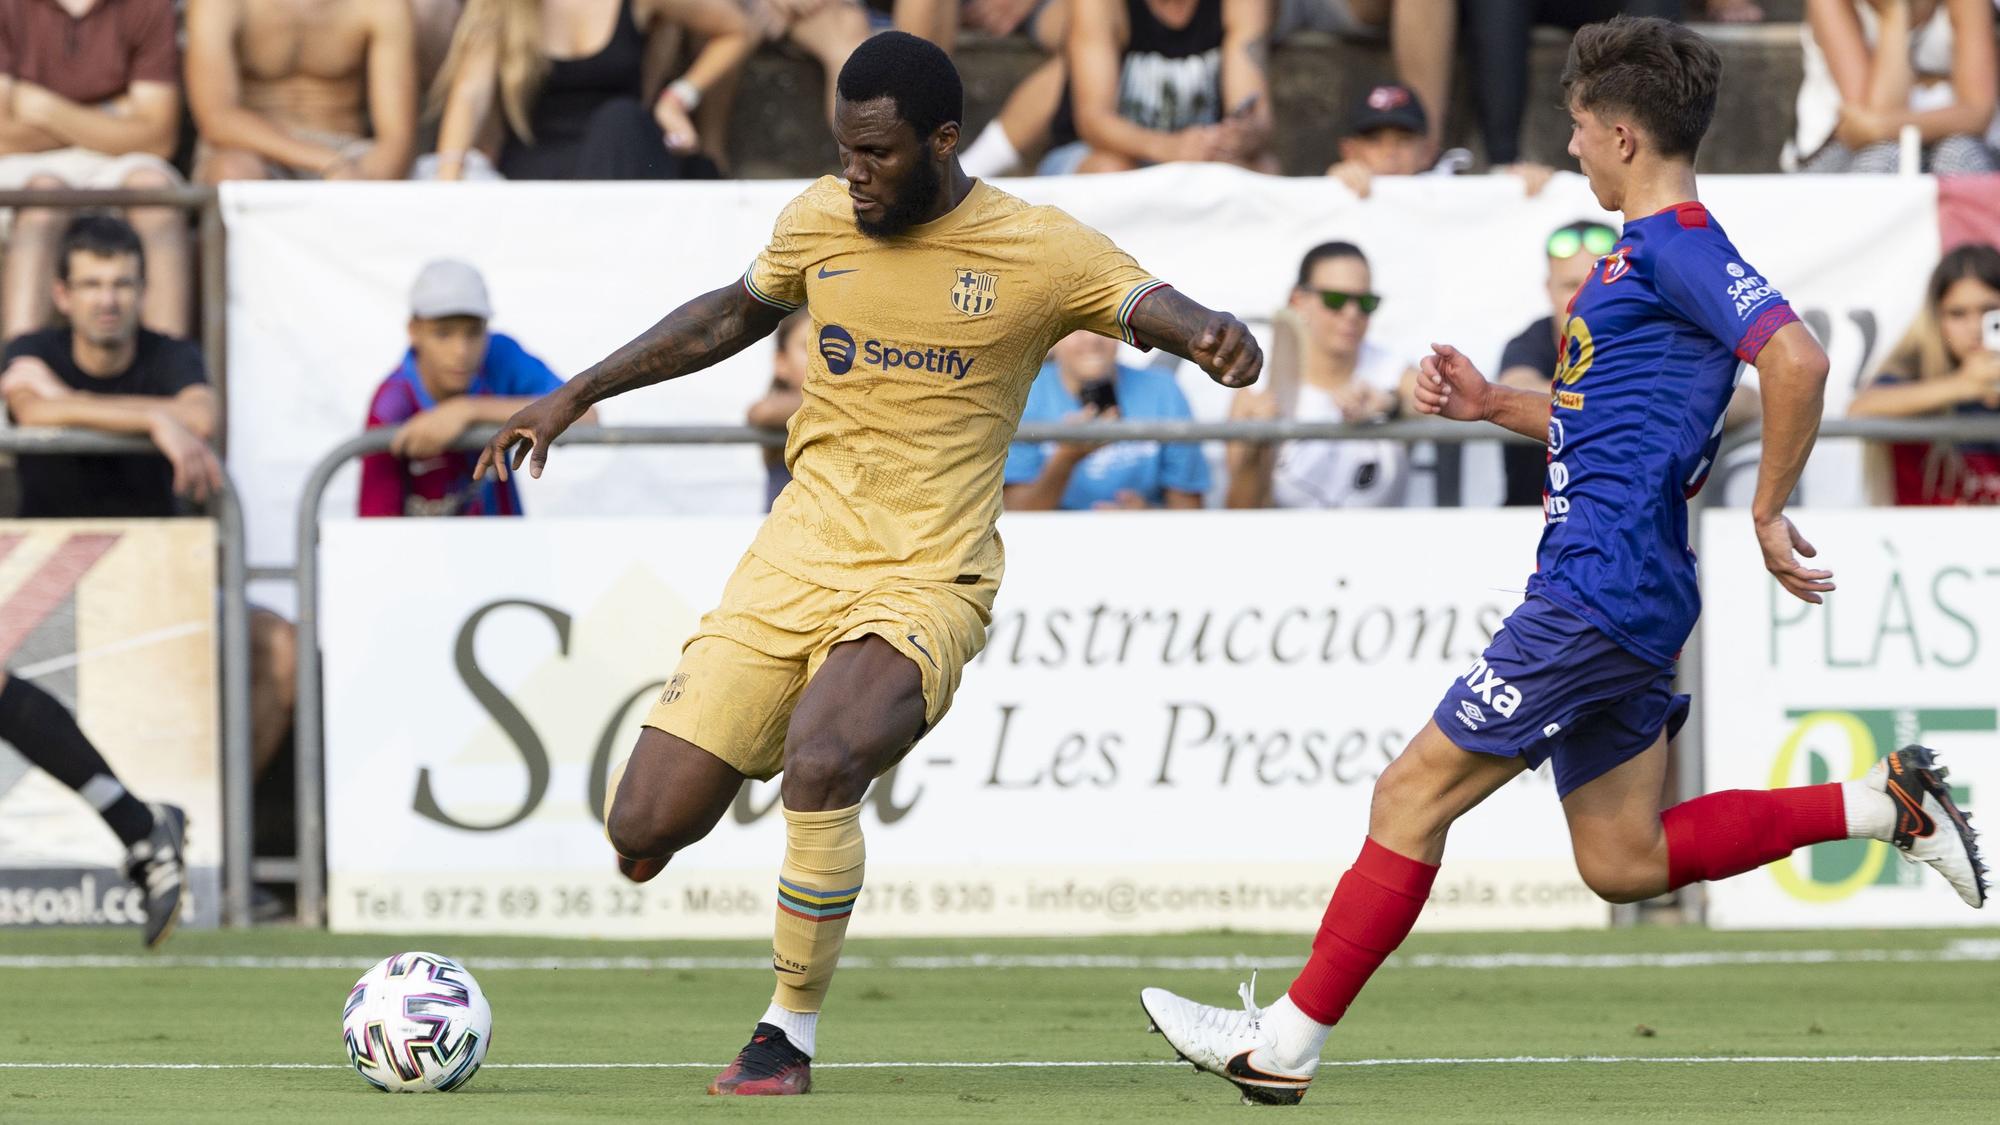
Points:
[915,72]
[1326,252]
[1656,72]
[101,235]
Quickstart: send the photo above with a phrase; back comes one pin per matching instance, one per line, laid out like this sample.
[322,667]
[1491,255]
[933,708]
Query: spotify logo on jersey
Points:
[836,347]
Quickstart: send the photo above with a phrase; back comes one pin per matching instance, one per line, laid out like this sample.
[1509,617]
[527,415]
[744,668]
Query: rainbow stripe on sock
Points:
[815,906]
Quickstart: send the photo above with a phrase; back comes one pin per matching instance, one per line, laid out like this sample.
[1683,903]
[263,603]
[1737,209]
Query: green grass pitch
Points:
[86,999]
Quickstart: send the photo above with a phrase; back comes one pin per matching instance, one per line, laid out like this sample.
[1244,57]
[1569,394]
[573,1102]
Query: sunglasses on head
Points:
[1567,242]
[1336,299]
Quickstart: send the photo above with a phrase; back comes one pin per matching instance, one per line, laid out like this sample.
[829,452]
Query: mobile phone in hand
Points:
[1099,393]
[1989,331]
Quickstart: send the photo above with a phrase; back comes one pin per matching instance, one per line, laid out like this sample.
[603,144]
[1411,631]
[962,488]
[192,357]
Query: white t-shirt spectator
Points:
[1344,474]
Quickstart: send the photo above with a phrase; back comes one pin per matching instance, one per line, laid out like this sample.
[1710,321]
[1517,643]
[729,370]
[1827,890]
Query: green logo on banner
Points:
[1840,744]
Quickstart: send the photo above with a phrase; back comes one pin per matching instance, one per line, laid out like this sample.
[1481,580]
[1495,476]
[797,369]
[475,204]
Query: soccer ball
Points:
[417,1022]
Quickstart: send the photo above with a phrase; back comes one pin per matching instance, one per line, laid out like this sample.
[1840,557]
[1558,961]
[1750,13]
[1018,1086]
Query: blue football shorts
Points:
[1551,687]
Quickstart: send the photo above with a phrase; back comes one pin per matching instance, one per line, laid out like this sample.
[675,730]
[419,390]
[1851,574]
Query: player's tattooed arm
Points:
[1168,320]
[700,333]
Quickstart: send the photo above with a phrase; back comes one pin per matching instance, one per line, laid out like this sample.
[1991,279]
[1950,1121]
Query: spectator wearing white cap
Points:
[456,375]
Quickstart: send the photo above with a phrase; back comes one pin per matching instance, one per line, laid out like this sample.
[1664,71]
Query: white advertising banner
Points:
[319,276]
[1175,726]
[116,620]
[1906,650]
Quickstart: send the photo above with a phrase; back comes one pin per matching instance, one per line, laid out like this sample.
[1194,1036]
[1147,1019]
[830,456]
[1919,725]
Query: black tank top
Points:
[1170,77]
[574,88]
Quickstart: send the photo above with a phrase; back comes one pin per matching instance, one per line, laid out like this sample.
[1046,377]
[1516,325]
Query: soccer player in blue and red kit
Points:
[1581,675]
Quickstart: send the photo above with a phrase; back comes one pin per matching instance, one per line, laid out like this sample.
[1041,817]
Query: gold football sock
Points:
[817,888]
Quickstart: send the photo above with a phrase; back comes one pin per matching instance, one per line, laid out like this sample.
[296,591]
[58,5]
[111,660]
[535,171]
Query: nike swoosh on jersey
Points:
[825,273]
[922,649]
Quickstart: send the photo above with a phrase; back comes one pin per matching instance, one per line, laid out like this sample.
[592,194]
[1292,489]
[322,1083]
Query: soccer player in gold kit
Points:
[840,638]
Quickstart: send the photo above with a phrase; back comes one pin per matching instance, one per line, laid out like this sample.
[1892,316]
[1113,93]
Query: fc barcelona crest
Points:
[974,293]
[674,688]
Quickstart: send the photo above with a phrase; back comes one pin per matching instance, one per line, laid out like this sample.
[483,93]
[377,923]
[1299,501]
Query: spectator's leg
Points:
[1959,155]
[274,685]
[31,267]
[37,725]
[1021,131]
[218,164]
[935,20]
[1500,31]
[830,35]
[1878,159]
[1833,158]
[163,235]
[1049,27]
[1423,36]
[1101,161]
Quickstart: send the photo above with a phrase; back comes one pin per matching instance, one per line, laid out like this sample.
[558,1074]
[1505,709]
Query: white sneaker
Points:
[1915,783]
[1228,1044]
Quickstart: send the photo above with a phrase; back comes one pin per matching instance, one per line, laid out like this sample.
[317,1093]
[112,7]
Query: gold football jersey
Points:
[924,346]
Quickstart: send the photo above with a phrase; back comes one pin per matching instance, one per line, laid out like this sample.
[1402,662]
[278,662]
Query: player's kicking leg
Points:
[1270,1054]
[863,710]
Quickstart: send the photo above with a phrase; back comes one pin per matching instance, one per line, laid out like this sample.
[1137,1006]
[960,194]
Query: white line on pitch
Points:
[1955,951]
[1512,1060]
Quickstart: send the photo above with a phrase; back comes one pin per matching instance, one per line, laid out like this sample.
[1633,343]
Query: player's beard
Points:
[911,206]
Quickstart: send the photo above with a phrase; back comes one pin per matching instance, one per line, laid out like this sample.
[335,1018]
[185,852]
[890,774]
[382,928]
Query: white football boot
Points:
[1930,828]
[1227,1043]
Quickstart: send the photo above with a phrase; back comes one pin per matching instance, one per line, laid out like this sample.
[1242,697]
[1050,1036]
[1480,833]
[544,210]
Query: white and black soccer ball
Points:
[417,1022]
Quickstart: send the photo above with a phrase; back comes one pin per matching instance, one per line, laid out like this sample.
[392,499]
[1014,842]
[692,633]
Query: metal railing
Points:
[309,733]
[234,649]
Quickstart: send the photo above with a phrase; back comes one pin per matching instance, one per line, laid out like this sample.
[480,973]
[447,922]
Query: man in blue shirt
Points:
[455,375]
[1581,675]
[1075,476]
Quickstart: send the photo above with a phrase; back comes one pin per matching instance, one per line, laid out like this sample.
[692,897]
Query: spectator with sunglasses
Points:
[1529,362]
[1530,359]
[1323,369]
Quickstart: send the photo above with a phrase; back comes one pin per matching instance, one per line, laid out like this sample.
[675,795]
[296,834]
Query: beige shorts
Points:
[77,168]
[351,147]
[751,657]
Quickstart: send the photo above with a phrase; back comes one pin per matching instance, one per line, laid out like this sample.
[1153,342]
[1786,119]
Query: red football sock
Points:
[1373,908]
[1738,830]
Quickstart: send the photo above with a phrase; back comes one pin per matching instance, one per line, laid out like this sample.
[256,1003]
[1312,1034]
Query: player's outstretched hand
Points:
[528,435]
[1782,545]
[1227,351]
[1449,386]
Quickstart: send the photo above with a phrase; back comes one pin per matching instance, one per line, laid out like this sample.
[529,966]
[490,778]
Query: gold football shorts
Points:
[742,672]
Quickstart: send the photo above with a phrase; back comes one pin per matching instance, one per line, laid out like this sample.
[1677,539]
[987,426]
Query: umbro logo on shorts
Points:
[1470,714]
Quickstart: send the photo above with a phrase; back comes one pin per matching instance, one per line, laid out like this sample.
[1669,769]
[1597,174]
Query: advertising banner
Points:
[1907,650]
[116,619]
[1174,726]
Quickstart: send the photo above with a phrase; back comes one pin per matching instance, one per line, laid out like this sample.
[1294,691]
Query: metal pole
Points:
[238,760]
[214,296]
